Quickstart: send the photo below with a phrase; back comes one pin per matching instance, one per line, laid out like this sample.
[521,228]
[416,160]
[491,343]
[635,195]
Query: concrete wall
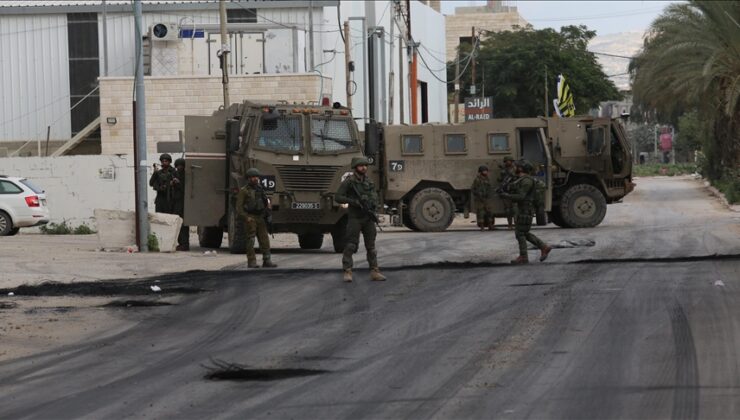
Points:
[461,24]
[75,185]
[170,98]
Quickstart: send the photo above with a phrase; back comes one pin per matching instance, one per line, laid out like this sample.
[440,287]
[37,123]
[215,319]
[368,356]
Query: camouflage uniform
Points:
[521,194]
[178,204]
[505,178]
[483,192]
[161,181]
[251,204]
[357,191]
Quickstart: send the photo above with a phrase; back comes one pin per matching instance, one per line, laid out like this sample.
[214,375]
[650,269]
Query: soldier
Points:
[178,204]
[522,191]
[359,192]
[161,181]
[253,205]
[506,176]
[484,193]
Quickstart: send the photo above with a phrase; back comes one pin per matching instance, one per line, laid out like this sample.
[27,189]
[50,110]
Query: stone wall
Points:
[170,98]
[460,25]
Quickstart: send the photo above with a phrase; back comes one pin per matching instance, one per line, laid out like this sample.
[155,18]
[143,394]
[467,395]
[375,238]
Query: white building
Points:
[53,55]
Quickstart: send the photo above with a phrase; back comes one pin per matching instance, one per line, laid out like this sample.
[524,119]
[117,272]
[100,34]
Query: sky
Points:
[606,17]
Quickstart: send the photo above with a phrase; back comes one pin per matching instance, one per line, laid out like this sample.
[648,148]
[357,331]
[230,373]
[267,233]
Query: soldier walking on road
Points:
[253,206]
[506,176]
[178,204]
[522,193]
[359,192]
[483,193]
[161,181]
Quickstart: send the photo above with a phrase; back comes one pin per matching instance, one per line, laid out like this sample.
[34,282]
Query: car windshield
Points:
[331,135]
[32,186]
[282,134]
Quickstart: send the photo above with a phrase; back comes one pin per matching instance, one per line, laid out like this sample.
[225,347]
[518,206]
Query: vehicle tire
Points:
[6,224]
[14,231]
[555,218]
[408,222]
[431,210]
[311,240]
[582,206]
[339,236]
[237,233]
[210,236]
[541,218]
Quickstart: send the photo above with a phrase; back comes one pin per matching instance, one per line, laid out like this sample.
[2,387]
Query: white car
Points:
[22,204]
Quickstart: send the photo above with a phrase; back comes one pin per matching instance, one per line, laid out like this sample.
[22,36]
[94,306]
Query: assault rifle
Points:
[367,208]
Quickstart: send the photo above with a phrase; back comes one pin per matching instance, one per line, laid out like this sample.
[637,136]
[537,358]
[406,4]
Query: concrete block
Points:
[117,229]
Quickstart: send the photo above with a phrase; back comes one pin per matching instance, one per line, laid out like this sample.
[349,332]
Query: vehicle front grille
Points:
[615,183]
[307,178]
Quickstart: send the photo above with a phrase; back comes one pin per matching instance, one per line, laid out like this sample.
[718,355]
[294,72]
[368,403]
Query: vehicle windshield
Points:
[32,186]
[331,135]
[281,134]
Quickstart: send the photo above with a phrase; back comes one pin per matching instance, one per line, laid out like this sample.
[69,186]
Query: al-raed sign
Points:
[478,108]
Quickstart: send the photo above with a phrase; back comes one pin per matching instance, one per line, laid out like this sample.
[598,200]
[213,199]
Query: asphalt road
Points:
[644,332]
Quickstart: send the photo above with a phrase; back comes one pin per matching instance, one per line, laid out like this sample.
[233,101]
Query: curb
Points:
[722,199]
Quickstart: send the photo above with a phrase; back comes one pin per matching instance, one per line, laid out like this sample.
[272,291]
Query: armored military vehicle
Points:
[425,171]
[302,151]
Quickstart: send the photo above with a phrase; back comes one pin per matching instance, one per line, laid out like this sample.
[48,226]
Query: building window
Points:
[498,143]
[241,15]
[455,144]
[411,145]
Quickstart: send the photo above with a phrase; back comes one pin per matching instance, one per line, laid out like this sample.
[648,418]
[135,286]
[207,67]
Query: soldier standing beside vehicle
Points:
[522,193]
[505,178]
[359,193]
[178,204]
[253,206]
[161,181]
[483,193]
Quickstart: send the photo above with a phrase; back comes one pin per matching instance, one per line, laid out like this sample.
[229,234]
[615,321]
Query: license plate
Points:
[305,206]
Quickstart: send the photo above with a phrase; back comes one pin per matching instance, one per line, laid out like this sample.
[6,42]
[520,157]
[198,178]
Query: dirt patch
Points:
[134,304]
[8,305]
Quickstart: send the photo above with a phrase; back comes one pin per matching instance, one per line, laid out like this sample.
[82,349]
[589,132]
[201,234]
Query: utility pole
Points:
[347,60]
[457,86]
[473,91]
[547,99]
[673,145]
[391,74]
[140,160]
[310,34]
[105,40]
[224,51]
[655,143]
[413,82]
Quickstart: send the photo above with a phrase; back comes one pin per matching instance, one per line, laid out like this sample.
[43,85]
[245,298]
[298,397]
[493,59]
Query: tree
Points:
[691,59]
[691,135]
[643,136]
[515,63]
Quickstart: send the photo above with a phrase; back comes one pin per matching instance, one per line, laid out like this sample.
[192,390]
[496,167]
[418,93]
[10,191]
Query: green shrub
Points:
[658,169]
[153,243]
[729,185]
[56,228]
[83,229]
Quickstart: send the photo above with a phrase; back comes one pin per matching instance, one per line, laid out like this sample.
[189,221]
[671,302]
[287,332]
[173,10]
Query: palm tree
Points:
[691,59]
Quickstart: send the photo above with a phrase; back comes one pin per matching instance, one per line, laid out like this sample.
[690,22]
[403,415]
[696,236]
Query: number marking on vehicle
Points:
[305,206]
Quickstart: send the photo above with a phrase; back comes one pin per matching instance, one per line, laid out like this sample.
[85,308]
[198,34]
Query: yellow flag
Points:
[565,106]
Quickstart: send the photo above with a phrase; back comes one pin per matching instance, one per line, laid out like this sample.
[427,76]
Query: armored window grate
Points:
[307,178]
[412,144]
[331,136]
[498,143]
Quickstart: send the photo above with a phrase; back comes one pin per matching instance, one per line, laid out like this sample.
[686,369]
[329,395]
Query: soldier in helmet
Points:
[161,181]
[521,193]
[507,175]
[253,205]
[178,204]
[483,192]
[359,193]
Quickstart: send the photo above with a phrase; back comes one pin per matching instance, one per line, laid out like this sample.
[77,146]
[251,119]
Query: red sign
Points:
[666,142]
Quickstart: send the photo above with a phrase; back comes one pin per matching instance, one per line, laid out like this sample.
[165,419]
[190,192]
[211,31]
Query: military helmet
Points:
[359,161]
[482,168]
[508,159]
[180,162]
[525,165]
[253,172]
[165,156]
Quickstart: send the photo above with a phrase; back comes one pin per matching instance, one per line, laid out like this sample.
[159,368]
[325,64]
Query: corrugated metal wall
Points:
[34,77]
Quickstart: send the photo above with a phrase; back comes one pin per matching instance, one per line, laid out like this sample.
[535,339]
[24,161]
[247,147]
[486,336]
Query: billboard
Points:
[478,108]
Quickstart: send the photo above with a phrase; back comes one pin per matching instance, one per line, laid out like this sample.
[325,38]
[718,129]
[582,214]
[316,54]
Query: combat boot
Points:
[348,275]
[544,252]
[520,260]
[375,275]
[267,263]
[252,263]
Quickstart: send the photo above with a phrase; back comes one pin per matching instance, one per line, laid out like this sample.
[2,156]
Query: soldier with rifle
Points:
[506,177]
[359,193]
[162,182]
[253,206]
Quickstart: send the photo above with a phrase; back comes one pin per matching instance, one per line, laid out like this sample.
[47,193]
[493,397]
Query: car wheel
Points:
[582,206]
[432,210]
[6,225]
[14,231]
[210,236]
[311,240]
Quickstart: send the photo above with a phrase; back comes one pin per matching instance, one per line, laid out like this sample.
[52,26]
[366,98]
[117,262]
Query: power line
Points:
[612,55]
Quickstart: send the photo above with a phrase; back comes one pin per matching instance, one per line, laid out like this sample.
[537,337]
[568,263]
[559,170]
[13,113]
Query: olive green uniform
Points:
[506,177]
[178,207]
[251,204]
[521,194]
[484,194]
[359,221]
[161,181]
